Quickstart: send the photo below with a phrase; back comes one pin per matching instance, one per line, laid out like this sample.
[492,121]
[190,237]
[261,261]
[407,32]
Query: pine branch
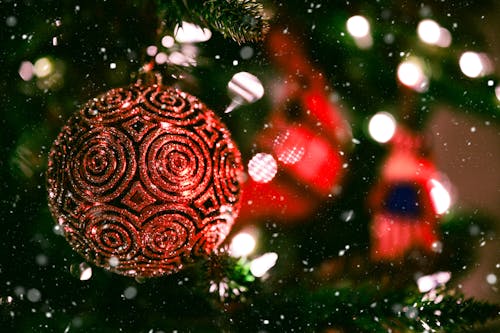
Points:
[364,309]
[452,313]
[241,20]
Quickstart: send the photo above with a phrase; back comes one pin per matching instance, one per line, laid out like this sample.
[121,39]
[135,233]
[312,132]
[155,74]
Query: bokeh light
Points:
[382,127]
[260,265]
[242,244]
[429,282]
[191,33]
[444,38]
[167,41]
[411,74]
[429,31]
[43,67]
[440,197]
[289,148]
[358,26]
[26,70]
[474,64]
[82,271]
[151,50]
[262,167]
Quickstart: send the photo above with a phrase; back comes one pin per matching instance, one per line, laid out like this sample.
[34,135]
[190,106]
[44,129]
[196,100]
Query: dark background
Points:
[34,259]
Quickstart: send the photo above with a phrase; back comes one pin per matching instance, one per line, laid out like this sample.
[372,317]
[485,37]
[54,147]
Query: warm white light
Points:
[262,167]
[260,265]
[411,74]
[428,282]
[86,273]
[358,26]
[429,31]
[475,64]
[497,92]
[491,278]
[242,245]
[43,67]
[83,271]
[382,127]
[440,197]
[191,33]
[244,88]
[470,64]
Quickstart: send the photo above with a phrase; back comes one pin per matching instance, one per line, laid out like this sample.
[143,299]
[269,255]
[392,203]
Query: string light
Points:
[428,31]
[262,264]
[43,67]
[359,28]
[382,127]
[242,245]
[431,32]
[411,74]
[475,64]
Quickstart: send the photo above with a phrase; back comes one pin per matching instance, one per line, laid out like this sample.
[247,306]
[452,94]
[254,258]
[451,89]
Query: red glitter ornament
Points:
[143,179]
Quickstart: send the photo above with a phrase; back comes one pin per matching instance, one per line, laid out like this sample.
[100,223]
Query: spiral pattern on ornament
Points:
[175,164]
[143,179]
[77,240]
[166,103]
[168,232]
[227,172]
[55,178]
[102,163]
[112,232]
[114,105]
[211,236]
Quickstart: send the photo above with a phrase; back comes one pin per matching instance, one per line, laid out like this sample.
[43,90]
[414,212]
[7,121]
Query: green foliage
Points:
[363,309]
[241,20]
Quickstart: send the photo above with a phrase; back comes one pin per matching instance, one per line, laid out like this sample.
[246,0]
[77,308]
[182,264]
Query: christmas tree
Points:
[348,159]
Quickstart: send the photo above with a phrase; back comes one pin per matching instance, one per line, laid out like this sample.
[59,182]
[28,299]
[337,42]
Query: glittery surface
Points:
[143,179]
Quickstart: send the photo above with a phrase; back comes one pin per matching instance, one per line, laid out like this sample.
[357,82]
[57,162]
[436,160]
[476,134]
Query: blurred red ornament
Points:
[305,134]
[143,179]
[407,201]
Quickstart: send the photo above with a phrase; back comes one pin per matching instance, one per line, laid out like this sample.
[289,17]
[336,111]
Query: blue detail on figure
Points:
[403,200]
